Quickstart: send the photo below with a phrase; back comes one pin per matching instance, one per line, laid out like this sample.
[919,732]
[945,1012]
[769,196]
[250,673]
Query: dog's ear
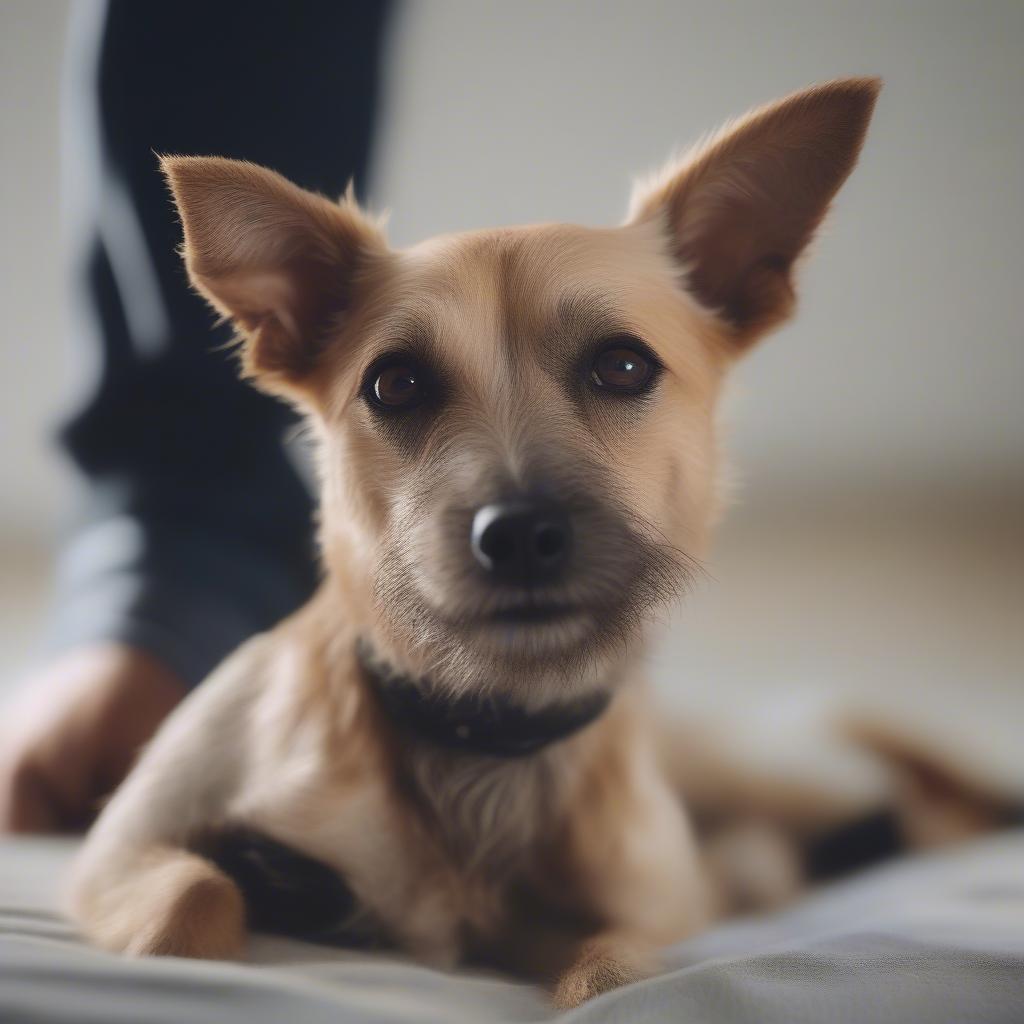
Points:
[742,207]
[280,262]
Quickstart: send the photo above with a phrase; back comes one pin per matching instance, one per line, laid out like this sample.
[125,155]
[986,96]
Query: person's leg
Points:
[191,528]
[194,529]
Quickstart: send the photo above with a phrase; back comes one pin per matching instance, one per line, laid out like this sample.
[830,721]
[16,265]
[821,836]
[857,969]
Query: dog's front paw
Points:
[167,903]
[602,965]
[197,912]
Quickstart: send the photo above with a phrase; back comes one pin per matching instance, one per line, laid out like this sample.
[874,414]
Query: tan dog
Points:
[516,435]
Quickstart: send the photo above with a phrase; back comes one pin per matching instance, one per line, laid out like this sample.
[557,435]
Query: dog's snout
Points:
[522,541]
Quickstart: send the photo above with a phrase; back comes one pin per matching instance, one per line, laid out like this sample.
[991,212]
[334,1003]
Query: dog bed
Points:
[937,939]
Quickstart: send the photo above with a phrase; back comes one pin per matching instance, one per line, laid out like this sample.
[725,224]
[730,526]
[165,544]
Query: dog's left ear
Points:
[740,210]
[281,263]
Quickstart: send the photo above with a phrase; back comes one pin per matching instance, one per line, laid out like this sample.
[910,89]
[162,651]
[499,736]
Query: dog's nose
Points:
[522,541]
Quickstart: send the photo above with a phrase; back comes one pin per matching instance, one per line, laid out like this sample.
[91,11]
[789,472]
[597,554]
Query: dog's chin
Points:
[532,632]
[533,652]
[560,639]
[563,641]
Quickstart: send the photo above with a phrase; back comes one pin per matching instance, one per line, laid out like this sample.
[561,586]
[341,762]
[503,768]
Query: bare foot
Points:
[72,732]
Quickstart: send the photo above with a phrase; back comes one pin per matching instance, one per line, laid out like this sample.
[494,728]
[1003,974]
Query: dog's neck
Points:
[491,726]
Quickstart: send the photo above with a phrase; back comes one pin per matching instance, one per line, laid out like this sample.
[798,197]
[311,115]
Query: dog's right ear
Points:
[740,210]
[278,261]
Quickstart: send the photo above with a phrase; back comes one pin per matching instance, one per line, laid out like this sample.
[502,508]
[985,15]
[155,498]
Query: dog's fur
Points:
[574,863]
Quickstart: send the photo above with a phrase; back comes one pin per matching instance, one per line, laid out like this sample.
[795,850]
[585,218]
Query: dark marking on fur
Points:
[858,844]
[287,892]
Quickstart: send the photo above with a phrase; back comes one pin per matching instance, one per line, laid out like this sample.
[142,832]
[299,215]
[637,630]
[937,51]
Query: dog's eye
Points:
[396,384]
[623,368]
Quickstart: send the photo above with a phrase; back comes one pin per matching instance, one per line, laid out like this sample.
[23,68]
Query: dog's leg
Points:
[167,902]
[761,799]
[136,887]
[604,962]
[633,854]
[393,873]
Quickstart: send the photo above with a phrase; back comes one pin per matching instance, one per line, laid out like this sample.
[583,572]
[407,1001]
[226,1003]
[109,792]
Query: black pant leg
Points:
[192,527]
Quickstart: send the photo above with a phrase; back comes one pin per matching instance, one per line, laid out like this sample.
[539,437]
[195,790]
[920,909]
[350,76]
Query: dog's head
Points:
[517,426]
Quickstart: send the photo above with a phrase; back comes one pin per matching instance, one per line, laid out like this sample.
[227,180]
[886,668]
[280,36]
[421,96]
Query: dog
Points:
[450,749]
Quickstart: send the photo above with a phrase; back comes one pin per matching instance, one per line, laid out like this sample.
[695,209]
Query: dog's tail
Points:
[939,794]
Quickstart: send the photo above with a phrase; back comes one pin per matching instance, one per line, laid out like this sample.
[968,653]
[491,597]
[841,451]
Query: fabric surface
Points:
[937,939]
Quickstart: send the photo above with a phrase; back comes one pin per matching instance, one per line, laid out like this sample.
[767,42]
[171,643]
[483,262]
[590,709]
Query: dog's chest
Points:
[434,843]
[489,815]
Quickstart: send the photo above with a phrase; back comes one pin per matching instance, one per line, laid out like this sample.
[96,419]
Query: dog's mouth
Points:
[533,614]
[534,628]
[599,604]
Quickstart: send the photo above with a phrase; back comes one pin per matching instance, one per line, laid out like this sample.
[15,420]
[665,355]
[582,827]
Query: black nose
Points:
[521,541]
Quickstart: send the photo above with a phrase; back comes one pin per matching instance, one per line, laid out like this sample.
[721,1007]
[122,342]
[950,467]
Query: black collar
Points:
[492,726]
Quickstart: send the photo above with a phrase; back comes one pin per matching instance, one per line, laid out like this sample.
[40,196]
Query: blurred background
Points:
[875,553]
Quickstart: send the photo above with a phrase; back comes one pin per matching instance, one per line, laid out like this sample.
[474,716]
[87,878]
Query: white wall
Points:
[32,319]
[907,362]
